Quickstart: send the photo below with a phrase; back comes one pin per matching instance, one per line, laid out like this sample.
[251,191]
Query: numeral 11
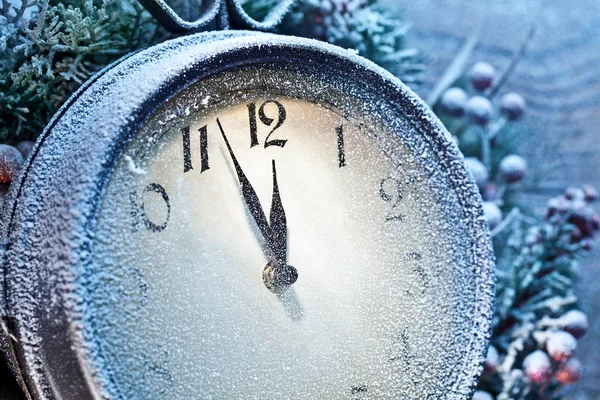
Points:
[187,152]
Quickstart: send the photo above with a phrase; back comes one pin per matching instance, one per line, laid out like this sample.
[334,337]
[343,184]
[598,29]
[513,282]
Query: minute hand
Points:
[250,197]
[278,223]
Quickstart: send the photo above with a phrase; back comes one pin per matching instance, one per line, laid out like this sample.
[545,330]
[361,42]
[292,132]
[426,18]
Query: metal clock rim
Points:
[253,43]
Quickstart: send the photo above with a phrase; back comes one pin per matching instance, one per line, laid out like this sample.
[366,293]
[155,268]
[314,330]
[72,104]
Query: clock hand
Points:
[277,275]
[249,195]
[280,275]
[278,223]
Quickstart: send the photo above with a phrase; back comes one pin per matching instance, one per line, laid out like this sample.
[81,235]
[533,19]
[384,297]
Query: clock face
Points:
[350,200]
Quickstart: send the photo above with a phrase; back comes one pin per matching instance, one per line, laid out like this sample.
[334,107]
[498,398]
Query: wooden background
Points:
[559,75]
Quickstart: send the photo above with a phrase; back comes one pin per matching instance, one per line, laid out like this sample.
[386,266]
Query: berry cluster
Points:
[548,368]
[575,208]
[11,160]
[478,109]
[536,326]
[477,125]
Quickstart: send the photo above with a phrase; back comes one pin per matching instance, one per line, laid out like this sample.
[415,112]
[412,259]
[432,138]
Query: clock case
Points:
[48,222]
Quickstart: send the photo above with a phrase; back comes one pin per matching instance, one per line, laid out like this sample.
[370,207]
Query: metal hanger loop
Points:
[239,18]
[226,14]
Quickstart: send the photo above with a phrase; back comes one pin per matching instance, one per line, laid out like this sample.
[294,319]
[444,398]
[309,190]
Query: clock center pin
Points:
[279,277]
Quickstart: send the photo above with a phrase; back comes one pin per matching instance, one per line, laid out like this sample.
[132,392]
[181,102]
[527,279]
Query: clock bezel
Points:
[61,368]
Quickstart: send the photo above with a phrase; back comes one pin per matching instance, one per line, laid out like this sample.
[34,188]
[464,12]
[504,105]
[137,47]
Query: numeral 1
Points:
[340,143]
[187,153]
[253,126]
[203,149]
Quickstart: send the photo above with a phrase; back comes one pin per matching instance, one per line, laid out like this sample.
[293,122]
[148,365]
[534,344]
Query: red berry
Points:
[478,170]
[512,105]
[575,322]
[479,110]
[533,236]
[580,220]
[492,360]
[491,192]
[574,193]
[561,345]
[557,205]
[570,372]
[482,75]
[512,168]
[453,102]
[590,193]
[10,163]
[481,395]
[492,213]
[537,367]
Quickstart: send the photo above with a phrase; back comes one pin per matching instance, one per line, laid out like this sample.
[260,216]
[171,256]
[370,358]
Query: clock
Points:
[246,216]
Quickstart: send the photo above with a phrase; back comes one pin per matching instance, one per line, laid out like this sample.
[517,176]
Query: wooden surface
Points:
[559,75]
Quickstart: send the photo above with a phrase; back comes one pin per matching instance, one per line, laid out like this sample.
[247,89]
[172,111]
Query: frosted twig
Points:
[5,7]
[496,127]
[454,70]
[37,31]
[516,345]
[555,303]
[486,149]
[512,215]
[513,63]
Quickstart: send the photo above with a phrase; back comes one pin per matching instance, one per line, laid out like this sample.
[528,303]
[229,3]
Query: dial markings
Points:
[204,149]
[253,126]
[391,190]
[187,151]
[399,351]
[138,211]
[340,145]
[358,392]
[266,120]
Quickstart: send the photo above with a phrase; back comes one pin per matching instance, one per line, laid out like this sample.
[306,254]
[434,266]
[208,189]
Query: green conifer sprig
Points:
[50,48]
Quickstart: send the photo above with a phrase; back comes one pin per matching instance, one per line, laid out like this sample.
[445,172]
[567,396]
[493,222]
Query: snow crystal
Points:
[132,167]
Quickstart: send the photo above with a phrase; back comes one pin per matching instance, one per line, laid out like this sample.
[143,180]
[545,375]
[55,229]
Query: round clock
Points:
[246,216]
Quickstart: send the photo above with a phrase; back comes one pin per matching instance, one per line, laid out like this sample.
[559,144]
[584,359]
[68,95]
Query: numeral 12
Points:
[281,116]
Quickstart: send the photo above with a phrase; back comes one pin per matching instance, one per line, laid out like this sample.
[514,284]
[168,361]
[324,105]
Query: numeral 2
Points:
[392,190]
[281,115]
[187,152]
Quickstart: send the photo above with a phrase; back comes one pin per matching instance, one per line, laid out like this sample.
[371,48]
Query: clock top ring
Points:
[246,215]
